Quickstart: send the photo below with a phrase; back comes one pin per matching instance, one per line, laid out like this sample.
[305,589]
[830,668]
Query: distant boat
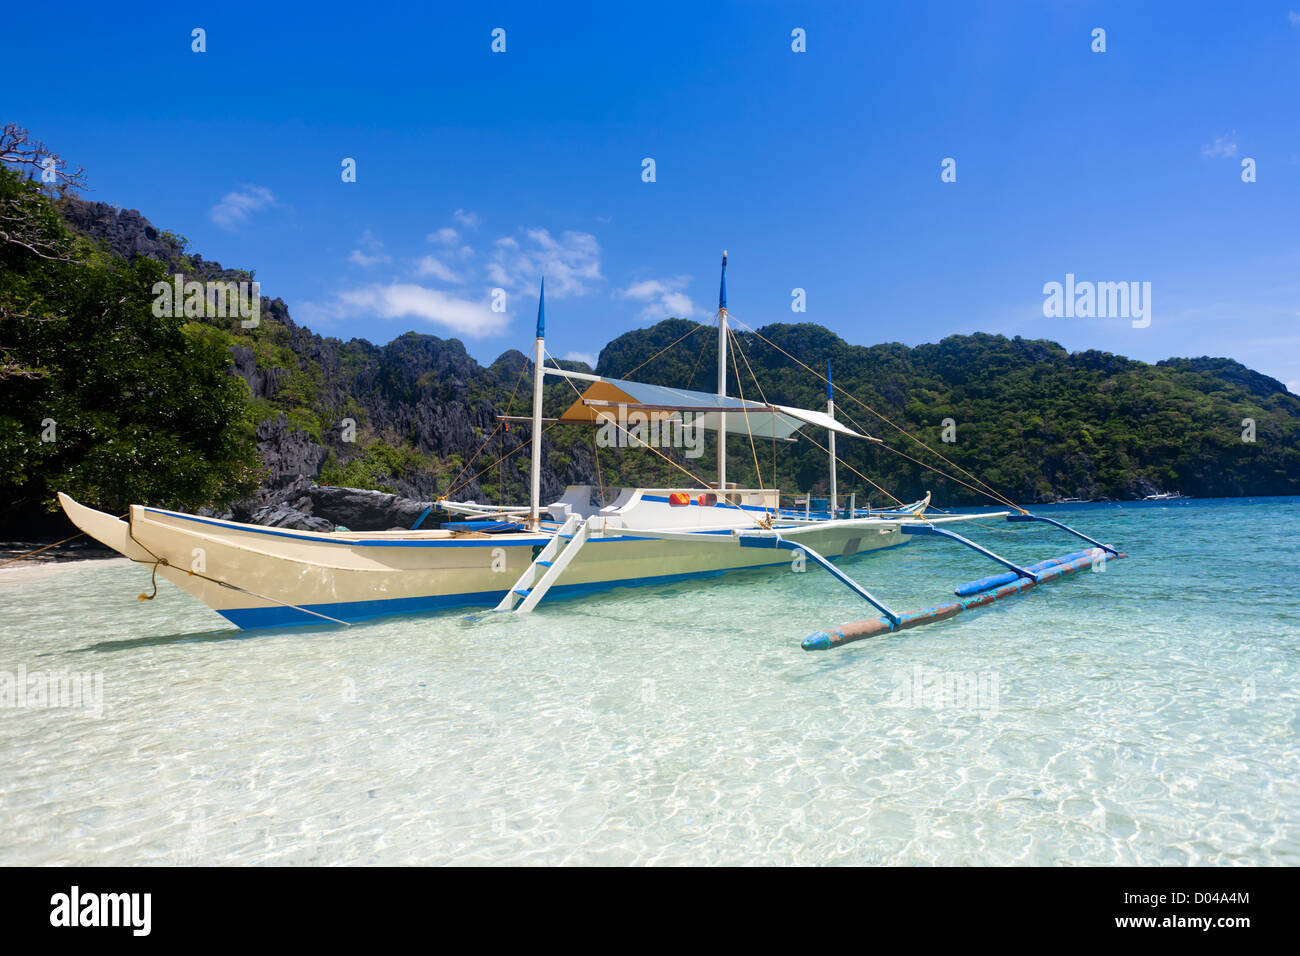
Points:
[1166,496]
[1073,501]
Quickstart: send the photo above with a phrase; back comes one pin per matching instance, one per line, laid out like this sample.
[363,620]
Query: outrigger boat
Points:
[511,558]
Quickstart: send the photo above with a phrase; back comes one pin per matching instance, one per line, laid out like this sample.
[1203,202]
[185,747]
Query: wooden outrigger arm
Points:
[953,535]
[776,541]
[974,594]
[857,631]
[1026,516]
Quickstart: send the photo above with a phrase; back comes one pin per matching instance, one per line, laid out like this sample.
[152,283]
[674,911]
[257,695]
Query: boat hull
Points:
[269,577]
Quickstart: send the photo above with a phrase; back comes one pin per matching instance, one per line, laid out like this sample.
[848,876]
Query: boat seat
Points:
[575,500]
[624,498]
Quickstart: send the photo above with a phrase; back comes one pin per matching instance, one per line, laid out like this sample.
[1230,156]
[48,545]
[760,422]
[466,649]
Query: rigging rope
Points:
[643,443]
[990,493]
[523,368]
[515,450]
[703,345]
[802,435]
[665,349]
[761,395]
[942,474]
[849,467]
[748,427]
[600,482]
[501,445]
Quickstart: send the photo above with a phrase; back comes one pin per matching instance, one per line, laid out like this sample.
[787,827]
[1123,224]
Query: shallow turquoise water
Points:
[1146,715]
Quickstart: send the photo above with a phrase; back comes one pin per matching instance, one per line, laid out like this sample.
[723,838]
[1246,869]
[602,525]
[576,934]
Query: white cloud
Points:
[570,263]
[663,298]
[357,257]
[235,207]
[1294,18]
[429,266]
[369,251]
[404,300]
[467,219]
[588,357]
[449,239]
[1225,145]
[1293,387]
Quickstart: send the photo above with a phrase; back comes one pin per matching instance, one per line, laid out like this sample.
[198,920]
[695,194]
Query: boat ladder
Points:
[547,566]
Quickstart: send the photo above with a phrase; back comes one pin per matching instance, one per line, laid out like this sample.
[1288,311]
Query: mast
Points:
[722,377]
[830,410]
[539,357]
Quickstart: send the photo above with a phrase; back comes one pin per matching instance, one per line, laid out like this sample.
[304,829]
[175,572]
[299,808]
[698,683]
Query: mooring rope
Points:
[217,581]
[28,554]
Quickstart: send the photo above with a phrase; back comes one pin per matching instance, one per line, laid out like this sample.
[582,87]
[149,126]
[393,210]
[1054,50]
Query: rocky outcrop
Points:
[361,510]
[418,391]
[306,506]
[130,235]
[289,454]
[282,516]
[426,414]
[262,382]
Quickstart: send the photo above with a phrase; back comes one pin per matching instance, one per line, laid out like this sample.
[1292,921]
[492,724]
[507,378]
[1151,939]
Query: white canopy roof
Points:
[605,396]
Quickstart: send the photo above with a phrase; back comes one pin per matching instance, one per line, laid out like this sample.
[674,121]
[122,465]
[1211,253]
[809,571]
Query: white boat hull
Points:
[270,577]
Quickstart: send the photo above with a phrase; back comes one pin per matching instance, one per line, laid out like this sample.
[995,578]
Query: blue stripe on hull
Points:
[249,618]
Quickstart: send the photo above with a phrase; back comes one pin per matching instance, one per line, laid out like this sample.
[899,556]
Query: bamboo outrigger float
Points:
[511,558]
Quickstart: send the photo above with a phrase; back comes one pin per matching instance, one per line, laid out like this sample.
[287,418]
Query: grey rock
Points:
[130,235]
[361,510]
[282,516]
[288,453]
[262,383]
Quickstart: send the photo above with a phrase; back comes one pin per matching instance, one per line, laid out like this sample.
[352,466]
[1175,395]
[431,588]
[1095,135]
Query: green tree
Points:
[99,397]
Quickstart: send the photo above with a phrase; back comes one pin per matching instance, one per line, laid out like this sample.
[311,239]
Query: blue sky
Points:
[817,170]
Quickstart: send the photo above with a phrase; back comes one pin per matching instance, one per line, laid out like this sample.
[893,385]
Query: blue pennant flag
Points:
[722,290]
[541,310]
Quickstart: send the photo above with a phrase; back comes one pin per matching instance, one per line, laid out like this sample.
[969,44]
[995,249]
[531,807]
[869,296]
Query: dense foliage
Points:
[1031,419]
[98,397]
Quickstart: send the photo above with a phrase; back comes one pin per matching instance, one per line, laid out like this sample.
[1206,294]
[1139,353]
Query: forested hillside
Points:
[1031,419]
[101,398]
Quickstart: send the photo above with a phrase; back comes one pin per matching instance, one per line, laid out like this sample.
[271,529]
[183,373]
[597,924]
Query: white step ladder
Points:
[549,564]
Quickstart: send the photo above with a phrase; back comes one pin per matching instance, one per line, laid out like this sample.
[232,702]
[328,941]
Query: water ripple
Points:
[1126,718]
